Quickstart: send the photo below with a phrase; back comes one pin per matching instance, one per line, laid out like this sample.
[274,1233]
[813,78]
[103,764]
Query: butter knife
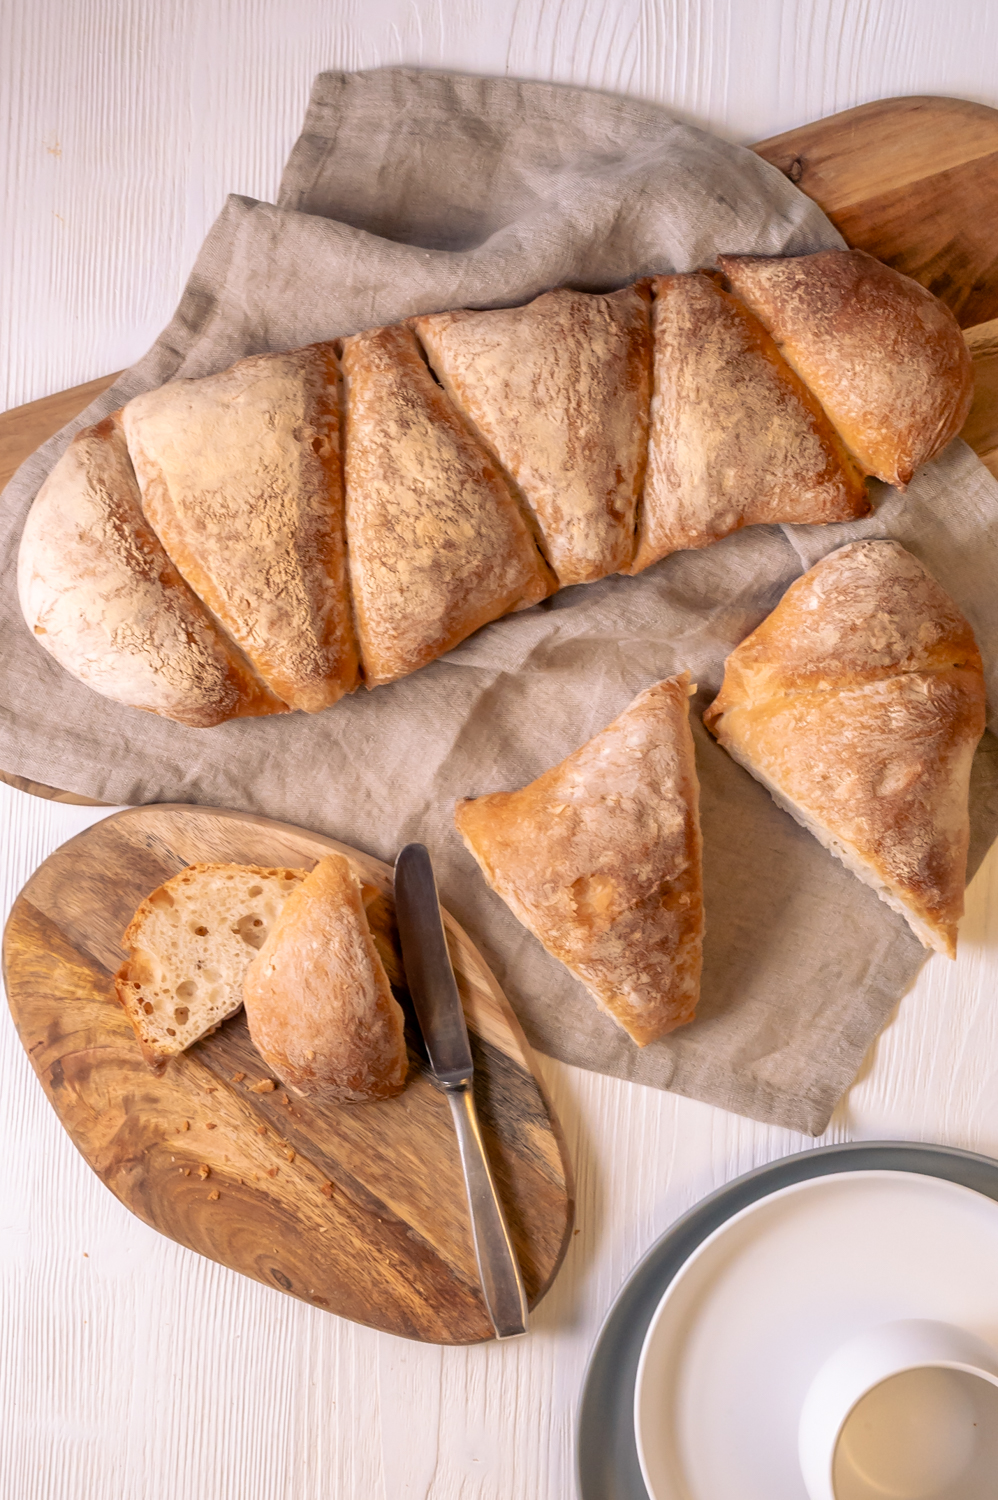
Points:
[433,990]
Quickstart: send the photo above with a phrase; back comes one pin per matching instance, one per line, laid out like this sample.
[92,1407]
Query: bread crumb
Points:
[285,1099]
[265,1086]
[210,1125]
[185,1124]
[211,1091]
[85,1255]
[310,1055]
[238,1077]
[271,1171]
[212,1197]
[186,1171]
[289,1154]
[261,1130]
[326,1189]
[204,1171]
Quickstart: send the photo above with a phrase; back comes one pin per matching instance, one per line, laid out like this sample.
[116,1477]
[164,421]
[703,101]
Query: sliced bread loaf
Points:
[189,945]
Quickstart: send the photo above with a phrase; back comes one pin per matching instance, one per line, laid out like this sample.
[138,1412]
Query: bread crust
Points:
[437,543]
[320,1009]
[601,858]
[885,358]
[859,703]
[101,596]
[559,390]
[736,437]
[241,479]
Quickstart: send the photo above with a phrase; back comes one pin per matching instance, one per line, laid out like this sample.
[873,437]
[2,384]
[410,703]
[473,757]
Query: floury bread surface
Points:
[320,1009]
[277,560]
[190,943]
[601,858]
[858,703]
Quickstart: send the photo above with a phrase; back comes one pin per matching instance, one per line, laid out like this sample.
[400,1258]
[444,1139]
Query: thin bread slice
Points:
[601,859]
[190,944]
[320,1009]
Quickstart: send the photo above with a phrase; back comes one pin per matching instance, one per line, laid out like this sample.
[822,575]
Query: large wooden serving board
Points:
[912,180]
[360,1209]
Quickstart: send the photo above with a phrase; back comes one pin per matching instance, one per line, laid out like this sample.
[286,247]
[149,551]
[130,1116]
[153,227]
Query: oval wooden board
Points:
[359,1210]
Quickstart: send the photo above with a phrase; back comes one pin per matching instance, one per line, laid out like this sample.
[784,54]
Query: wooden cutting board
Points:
[359,1210]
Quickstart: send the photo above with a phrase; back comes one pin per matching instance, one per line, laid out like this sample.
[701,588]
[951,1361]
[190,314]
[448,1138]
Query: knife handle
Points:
[498,1270]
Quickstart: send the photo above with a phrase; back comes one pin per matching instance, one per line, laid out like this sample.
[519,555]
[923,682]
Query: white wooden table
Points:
[130,1368]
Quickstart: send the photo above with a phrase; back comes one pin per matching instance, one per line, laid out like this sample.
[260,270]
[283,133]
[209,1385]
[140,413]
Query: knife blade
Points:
[434,994]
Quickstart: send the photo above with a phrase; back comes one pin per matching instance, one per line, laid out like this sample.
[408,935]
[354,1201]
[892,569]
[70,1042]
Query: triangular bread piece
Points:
[736,437]
[885,358]
[601,859]
[240,478]
[100,595]
[189,945]
[559,390]
[438,544]
[320,1009]
[858,703]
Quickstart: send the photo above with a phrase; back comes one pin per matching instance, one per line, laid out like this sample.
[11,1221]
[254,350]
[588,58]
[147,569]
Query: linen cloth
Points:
[413,192]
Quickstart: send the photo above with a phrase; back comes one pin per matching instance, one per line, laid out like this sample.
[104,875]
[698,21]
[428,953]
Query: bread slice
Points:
[601,858]
[320,1009]
[189,945]
[736,439]
[858,703]
[885,358]
[438,544]
[100,595]
[560,391]
[241,480]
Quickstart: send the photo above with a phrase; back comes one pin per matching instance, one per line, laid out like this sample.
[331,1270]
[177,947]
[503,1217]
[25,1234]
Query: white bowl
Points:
[908,1410]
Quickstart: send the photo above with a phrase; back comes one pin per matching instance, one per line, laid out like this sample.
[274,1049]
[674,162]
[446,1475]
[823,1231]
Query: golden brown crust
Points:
[320,1009]
[241,479]
[859,702]
[601,859]
[101,595]
[437,543]
[736,437]
[885,358]
[559,390]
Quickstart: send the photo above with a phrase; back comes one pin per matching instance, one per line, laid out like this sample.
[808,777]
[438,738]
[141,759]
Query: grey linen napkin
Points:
[416,192]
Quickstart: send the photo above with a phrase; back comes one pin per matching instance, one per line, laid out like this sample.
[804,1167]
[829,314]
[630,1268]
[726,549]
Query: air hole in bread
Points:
[181,1015]
[161,900]
[170,1031]
[200,931]
[251,929]
[187,990]
[255,890]
[147,1007]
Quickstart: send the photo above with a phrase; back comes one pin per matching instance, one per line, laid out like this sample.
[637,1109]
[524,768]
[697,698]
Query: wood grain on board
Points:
[360,1209]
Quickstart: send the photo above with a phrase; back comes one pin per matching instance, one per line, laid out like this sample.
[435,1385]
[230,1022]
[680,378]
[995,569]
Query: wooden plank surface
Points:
[359,1210]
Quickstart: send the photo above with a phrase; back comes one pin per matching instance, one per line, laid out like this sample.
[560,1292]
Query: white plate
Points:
[757,1309]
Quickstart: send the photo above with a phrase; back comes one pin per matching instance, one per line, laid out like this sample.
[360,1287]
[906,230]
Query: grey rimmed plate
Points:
[606,1452]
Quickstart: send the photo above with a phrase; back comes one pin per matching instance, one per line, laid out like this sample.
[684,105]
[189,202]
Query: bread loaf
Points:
[736,439]
[101,595]
[884,357]
[189,945]
[559,390]
[438,544]
[524,448]
[241,479]
[320,1009]
[858,703]
[601,859]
